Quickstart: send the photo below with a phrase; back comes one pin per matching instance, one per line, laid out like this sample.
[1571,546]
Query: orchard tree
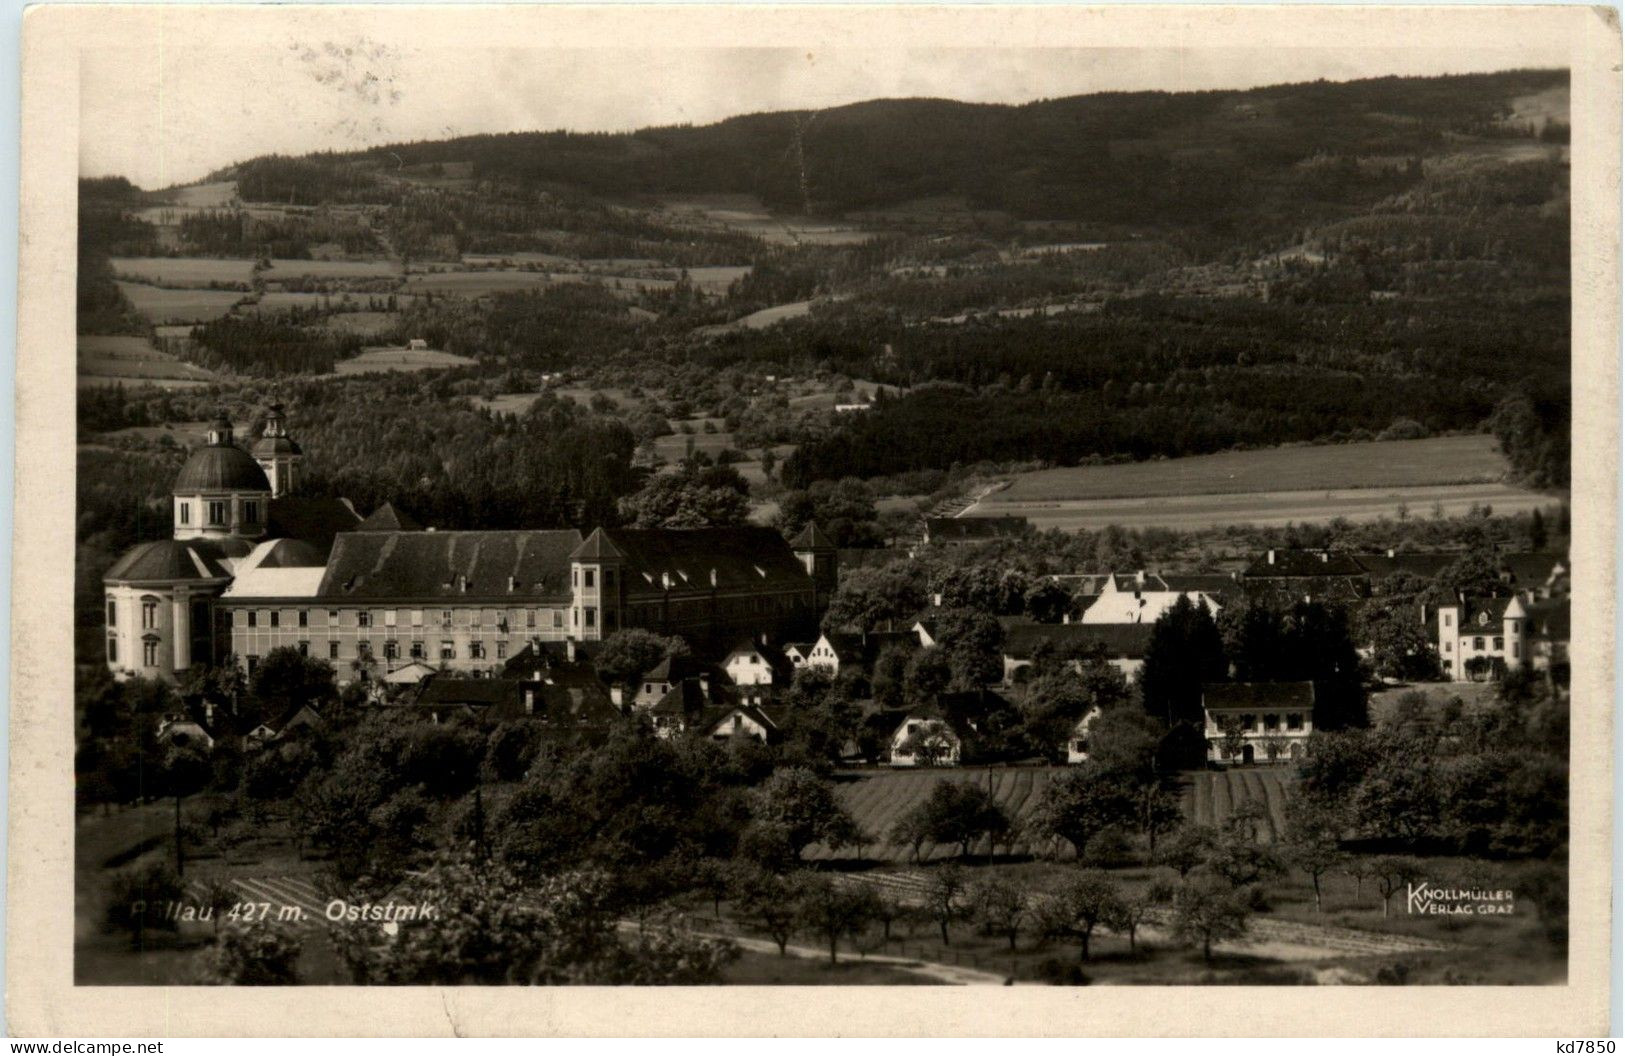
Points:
[946,897]
[804,805]
[1312,841]
[1209,909]
[1392,873]
[1002,907]
[960,812]
[1081,803]
[768,902]
[1082,903]
[1188,848]
[831,910]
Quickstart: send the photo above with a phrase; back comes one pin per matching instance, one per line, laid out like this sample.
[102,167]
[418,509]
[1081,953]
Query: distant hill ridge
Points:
[1125,158]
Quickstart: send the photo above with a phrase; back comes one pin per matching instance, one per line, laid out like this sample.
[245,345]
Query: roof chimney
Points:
[713,578]
[1390,551]
[1325,556]
[1270,557]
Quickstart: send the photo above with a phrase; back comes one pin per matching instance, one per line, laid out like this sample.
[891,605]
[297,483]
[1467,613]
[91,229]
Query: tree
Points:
[629,653]
[1047,601]
[768,901]
[255,954]
[945,897]
[1188,848]
[1401,647]
[961,812]
[1133,910]
[696,496]
[804,805]
[492,928]
[138,899]
[1082,903]
[843,510]
[1312,841]
[186,771]
[1240,858]
[1208,909]
[867,598]
[286,679]
[927,676]
[972,641]
[1393,872]
[1185,652]
[1001,906]
[1083,802]
[832,909]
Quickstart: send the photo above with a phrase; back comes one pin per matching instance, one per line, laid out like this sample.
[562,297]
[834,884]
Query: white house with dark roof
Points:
[1258,722]
[1141,597]
[1481,638]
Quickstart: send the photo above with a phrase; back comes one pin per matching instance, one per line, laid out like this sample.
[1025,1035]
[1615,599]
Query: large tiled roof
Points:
[178,560]
[281,568]
[1531,570]
[1121,641]
[811,538]
[744,557]
[1549,620]
[387,518]
[527,566]
[311,519]
[1381,566]
[1303,563]
[1258,695]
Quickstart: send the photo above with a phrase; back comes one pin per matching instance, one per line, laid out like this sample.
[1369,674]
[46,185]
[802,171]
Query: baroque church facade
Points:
[251,568]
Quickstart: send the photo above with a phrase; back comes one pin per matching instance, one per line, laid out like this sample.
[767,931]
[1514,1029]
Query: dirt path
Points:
[948,974]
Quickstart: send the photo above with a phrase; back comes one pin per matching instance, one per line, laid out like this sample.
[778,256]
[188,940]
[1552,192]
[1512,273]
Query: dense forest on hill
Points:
[1117,275]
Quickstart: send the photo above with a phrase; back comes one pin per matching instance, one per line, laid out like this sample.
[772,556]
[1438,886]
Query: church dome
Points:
[170,560]
[220,467]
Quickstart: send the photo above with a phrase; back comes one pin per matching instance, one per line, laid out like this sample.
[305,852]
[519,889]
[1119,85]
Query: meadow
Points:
[110,360]
[183,271]
[165,306]
[382,360]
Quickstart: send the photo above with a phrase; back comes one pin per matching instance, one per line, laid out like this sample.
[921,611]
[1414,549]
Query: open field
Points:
[1392,463]
[878,798]
[183,271]
[482,283]
[1267,509]
[380,360]
[744,213]
[131,361]
[333,269]
[1272,487]
[161,305]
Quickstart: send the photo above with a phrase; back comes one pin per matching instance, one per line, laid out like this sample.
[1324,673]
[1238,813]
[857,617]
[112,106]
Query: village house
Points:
[1122,645]
[755,663]
[971,531]
[298,717]
[843,652]
[1256,722]
[926,737]
[1077,743]
[1139,597]
[1482,638]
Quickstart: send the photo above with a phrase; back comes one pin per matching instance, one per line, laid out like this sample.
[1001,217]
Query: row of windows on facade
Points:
[1294,721]
[149,613]
[501,619]
[215,512]
[1478,646]
[149,651]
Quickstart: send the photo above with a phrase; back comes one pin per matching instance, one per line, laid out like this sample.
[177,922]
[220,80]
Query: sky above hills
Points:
[162,116]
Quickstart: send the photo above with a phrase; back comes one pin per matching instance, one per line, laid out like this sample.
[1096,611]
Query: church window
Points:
[112,650]
[251,512]
[448,650]
[217,512]
[149,652]
[112,613]
[363,618]
[149,613]
[332,649]
[186,513]
[304,617]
